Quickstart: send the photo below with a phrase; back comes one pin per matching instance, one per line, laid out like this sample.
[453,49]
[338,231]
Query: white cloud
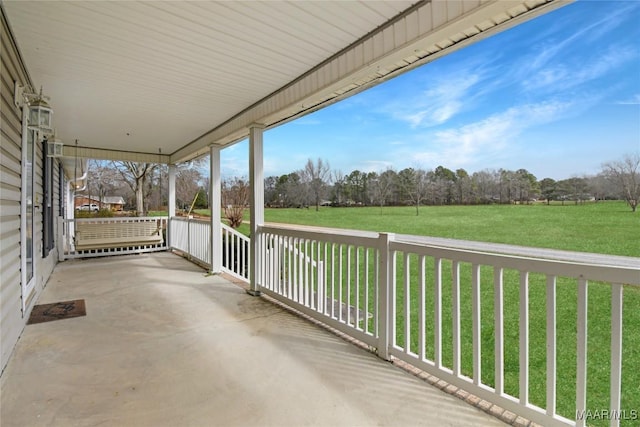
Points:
[486,138]
[441,101]
[554,47]
[633,100]
[559,77]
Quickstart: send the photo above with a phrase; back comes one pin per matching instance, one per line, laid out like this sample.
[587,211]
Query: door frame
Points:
[27,202]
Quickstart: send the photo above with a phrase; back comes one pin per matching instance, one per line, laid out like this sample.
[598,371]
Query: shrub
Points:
[104,213]
[83,214]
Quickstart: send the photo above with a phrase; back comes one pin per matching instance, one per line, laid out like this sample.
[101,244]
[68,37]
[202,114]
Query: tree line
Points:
[316,185]
[144,186]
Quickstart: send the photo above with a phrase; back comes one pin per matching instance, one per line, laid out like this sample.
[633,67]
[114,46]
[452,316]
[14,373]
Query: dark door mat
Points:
[56,311]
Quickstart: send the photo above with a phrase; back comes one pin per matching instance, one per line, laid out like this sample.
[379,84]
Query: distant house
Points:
[113,203]
[85,200]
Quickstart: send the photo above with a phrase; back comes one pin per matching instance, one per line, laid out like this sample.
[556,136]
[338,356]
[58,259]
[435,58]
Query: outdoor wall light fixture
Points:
[40,112]
[55,147]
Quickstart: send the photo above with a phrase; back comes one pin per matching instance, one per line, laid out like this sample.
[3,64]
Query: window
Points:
[47,202]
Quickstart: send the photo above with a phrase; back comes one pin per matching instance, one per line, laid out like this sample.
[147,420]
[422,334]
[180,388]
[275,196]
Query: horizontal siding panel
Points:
[10,152]
[10,286]
[10,272]
[11,248]
[9,111]
[10,207]
[9,120]
[11,322]
[10,60]
[10,156]
[9,224]
[9,177]
[9,192]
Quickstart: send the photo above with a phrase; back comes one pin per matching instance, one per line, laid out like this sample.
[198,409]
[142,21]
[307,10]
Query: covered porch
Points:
[164,343]
[422,303]
[167,343]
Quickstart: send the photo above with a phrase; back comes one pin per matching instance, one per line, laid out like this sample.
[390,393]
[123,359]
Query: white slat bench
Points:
[108,235]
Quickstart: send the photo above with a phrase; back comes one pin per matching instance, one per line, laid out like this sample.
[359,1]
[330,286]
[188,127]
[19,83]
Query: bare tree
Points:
[235,198]
[102,180]
[486,185]
[381,186]
[136,175]
[626,174]
[188,182]
[316,176]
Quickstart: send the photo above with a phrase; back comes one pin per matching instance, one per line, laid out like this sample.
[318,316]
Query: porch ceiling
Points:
[130,79]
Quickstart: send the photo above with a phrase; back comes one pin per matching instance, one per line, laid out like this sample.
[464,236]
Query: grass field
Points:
[605,227]
[608,228]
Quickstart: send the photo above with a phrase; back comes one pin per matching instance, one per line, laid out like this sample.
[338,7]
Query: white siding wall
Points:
[12,320]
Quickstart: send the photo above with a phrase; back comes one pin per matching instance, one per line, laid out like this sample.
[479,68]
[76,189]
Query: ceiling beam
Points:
[71,151]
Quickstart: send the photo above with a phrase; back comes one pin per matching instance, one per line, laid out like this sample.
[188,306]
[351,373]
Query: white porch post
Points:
[215,201]
[171,201]
[256,180]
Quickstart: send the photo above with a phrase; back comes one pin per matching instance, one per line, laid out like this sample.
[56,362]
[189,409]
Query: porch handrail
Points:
[376,274]
[524,251]
[235,253]
[191,236]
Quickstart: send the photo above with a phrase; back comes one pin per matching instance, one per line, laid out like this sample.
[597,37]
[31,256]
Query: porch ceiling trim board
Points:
[70,151]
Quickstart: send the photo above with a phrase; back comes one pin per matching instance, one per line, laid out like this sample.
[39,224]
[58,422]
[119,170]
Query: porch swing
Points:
[107,236]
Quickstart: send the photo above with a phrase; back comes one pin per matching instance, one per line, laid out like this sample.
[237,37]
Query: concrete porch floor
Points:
[162,344]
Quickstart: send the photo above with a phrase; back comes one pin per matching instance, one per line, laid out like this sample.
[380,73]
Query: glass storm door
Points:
[27,257]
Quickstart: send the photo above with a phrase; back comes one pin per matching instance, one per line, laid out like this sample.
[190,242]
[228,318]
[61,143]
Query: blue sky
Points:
[558,96]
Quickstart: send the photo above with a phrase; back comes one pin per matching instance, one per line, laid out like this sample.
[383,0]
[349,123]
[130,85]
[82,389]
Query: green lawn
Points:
[608,228]
[605,227]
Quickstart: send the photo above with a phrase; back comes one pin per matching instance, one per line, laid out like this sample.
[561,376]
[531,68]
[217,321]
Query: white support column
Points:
[215,202]
[256,180]
[171,201]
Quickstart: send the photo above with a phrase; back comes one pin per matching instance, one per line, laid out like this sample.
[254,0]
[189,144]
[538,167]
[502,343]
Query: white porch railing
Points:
[192,237]
[110,236]
[235,253]
[423,300]
[483,317]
